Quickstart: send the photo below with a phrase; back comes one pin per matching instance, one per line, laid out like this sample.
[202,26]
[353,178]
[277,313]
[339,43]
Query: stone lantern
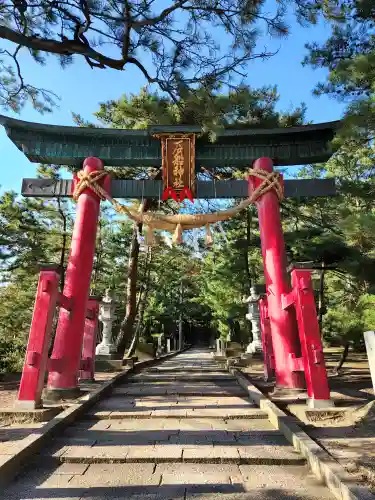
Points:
[254,317]
[107,307]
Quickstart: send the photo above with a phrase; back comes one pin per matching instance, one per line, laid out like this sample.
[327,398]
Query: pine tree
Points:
[30,234]
[173,47]
[349,56]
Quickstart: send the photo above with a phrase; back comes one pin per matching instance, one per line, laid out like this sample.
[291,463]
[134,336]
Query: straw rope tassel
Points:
[177,236]
[209,238]
[150,236]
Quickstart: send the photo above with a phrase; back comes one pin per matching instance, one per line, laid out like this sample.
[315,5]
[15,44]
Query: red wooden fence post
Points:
[87,372]
[67,349]
[311,343]
[283,322]
[35,365]
[265,327]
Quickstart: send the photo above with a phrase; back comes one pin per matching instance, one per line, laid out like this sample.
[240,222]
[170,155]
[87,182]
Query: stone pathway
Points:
[182,430]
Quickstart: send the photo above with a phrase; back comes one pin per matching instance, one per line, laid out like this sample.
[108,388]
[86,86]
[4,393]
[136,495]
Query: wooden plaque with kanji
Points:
[178,163]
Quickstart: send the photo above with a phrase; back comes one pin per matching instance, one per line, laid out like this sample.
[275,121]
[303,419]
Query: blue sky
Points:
[81,89]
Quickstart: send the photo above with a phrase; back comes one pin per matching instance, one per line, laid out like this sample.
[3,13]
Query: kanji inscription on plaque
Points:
[178,165]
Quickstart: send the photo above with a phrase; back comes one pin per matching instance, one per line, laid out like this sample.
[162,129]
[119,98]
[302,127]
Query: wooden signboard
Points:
[178,165]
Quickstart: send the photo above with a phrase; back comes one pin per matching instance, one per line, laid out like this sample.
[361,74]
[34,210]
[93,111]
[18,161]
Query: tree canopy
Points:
[349,56]
[183,44]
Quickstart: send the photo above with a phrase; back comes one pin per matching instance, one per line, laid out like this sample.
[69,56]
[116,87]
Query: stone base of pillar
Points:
[108,350]
[55,395]
[105,357]
[87,381]
[321,403]
[254,347]
[28,405]
[288,395]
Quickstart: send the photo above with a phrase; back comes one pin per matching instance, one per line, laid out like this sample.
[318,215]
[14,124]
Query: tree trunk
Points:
[247,247]
[63,247]
[98,259]
[127,324]
[343,358]
[62,271]
[140,309]
[180,319]
[133,345]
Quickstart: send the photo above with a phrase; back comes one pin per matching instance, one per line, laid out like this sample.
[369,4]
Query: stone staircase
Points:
[182,430]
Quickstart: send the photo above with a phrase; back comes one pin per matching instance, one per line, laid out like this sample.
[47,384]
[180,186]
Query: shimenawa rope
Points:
[178,223]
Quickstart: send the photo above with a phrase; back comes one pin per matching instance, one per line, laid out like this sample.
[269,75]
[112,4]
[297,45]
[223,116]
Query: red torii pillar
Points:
[87,372]
[66,356]
[285,339]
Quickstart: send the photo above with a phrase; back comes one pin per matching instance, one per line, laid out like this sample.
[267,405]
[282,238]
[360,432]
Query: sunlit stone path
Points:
[181,430]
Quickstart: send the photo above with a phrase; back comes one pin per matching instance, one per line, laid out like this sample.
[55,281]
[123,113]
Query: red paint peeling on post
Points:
[283,322]
[87,371]
[36,358]
[311,343]
[69,335]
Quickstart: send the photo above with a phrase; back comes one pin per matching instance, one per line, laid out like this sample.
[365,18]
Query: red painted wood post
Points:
[35,365]
[87,372]
[67,349]
[265,327]
[311,342]
[283,322]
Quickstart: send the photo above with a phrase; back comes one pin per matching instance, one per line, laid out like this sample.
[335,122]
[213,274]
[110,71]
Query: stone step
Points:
[175,384]
[241,427]
[130,432]
[220,413]
[165,369]
[161,378]
[150,390]
[184,375]
[269,454]
[177,481]
[172,402]
[187,439]
[160,446]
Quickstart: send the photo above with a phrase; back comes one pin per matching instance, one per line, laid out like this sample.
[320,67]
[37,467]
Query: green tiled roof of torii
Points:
[63,145]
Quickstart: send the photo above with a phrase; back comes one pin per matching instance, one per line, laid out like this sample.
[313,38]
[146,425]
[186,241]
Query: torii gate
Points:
[297,347]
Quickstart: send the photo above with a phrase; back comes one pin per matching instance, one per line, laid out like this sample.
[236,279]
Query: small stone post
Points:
[168,345]
[370,348]
[160,348]
[218,346]
[106,348]
[254,317]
